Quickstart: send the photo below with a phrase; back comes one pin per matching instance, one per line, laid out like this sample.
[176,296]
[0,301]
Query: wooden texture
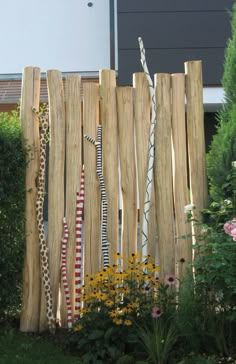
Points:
[92,203]
[180,177]
[30,311]
[55,178]
[163,175]
[73,173]
[110,154]
[128,171]
[196,138]
[142,125]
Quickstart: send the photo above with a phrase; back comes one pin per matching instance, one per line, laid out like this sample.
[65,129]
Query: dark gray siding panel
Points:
[172,5]
[173,29]
[171,61]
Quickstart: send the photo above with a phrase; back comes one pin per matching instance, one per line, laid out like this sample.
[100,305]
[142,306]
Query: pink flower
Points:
[227,228]
[230,228]
[170,280]
[233,234]
[156,312]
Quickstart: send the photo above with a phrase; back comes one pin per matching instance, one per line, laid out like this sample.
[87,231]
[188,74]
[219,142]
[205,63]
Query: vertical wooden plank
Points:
[180,177]
[142,111]
[92,203]
[55,177]
[128,170]
[110,154]
[163,175]
[73,173]
[30,94]
[196,139]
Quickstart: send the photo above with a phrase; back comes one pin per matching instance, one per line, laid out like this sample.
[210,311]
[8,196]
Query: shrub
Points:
[12,200]
[223,148]
[116,302]
[206,315]
[229,77]
[222,153]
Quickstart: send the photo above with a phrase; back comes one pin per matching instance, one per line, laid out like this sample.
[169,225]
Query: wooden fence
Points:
[124,113]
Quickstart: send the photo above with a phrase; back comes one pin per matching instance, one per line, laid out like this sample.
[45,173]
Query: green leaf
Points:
[96,334]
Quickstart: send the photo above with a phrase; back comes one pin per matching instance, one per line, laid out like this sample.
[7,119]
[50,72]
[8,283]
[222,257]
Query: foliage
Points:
[114,300]
[12,200]
[159,339]
[223,147]
[215,285]
[199,359]
[206,304]
[21,348]
[229,77]
[222,153]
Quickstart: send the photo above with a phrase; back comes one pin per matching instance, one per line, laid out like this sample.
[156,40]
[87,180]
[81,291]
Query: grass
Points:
[22,348]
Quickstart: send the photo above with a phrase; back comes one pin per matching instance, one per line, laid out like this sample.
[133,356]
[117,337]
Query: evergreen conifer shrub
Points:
[223,147]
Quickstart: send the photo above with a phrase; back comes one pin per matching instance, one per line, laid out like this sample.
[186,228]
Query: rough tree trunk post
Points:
[55,178]
[180,177]
[163,175]
[30,133]
[128,171]
[196,139]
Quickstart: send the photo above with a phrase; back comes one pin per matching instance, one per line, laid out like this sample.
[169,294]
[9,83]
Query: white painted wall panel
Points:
[62,34]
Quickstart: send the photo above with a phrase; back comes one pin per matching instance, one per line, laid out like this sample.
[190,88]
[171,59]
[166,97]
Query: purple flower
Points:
[170,279]
[156,312]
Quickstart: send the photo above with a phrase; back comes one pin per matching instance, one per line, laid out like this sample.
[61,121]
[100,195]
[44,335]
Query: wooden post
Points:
[142,126]
[180,177]
[163,175]
[196,139]
[73,172]
[128,171]
[56,178]
[92,203]
[30,133]
[110,154]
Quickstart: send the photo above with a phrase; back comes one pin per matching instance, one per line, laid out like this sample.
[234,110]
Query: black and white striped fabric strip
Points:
[104,240]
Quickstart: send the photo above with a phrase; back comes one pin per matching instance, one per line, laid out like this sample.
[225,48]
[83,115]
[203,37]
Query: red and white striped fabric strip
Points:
[78,252]
[64,272]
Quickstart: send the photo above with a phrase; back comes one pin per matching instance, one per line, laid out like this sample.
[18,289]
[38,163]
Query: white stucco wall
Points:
[61,34]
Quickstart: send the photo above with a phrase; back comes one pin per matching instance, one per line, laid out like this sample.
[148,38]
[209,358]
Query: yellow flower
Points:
[132,305]
[127,309]
[132,270]
[121,275]
[108,303]
[117,321]
[113,291]
[102,296]
[85,310]
[78,327]
[113,313]
[128,322]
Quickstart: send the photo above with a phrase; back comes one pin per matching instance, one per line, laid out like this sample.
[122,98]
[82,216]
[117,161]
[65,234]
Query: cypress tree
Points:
[223,147]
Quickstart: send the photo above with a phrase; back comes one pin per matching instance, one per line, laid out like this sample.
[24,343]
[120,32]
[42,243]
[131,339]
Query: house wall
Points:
[173,32]
[54,34]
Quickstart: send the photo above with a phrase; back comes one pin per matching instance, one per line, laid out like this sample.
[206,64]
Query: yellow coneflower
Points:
[113,313]
[132,305]
[117,321]
[128,322]
[109,303]
[127,309]
[78,327]
[85,310]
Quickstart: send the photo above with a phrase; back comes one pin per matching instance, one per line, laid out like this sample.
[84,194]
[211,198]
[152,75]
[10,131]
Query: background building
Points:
[85,36]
